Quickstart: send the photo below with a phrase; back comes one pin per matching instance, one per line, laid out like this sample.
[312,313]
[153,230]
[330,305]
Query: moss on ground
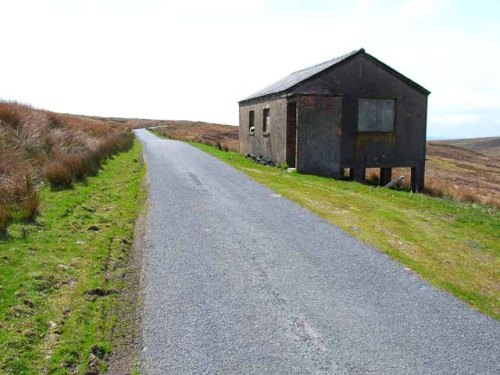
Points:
[60,276]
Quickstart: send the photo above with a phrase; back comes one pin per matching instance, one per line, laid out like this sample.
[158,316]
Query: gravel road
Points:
[238,280]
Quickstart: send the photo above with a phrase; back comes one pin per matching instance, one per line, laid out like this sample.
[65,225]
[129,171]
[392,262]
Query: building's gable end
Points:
[396,74]
[337,79]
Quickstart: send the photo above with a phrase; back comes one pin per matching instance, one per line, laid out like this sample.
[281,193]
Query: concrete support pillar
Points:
[385,176]
[359,174]
[417,178]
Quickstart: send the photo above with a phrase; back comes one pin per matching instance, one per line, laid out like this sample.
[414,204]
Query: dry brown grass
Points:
[37,145]
[224,137]
[4,219]
[487,146]
[458,173]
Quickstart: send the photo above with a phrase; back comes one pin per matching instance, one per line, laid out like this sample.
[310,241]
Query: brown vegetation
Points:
[463,174]
[37,146]
[224,137]
[487,146]
[458,173]
[451,171]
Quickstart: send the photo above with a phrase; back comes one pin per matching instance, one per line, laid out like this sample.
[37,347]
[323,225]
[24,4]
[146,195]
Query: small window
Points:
[376,115]
[266,123]
[251,122]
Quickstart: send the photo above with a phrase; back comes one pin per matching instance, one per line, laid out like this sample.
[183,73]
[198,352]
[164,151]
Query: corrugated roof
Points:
[299,76]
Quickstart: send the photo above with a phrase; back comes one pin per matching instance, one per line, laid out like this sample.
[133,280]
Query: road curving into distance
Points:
[238,280]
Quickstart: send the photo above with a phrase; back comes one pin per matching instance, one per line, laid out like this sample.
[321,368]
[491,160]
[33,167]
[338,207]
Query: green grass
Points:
[455,246]
[60,277]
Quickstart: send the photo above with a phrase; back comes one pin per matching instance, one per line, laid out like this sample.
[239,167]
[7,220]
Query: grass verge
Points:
[453,245]
[61,276]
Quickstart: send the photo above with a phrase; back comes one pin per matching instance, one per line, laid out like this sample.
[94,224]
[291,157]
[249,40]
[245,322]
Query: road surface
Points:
[238,280]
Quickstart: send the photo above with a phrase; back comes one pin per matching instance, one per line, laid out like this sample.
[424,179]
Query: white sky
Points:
[194,60]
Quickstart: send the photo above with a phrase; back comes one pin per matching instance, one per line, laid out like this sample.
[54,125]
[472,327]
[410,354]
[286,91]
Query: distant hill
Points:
[486,146]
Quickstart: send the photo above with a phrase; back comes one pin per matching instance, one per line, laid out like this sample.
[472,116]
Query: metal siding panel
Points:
[319,132]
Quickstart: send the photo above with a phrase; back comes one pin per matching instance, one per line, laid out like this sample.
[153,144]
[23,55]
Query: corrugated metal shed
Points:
[299,76]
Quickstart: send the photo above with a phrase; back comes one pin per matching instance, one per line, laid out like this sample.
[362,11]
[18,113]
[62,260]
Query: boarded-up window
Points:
[376,115]
[266,124]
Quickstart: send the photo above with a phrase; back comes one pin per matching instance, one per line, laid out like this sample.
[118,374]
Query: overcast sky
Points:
[194,60]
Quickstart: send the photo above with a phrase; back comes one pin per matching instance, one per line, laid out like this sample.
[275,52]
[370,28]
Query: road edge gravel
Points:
[126,338]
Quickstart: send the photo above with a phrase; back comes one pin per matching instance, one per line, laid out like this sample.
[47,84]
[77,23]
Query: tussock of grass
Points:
[38,145]
[61,275]
[454,245]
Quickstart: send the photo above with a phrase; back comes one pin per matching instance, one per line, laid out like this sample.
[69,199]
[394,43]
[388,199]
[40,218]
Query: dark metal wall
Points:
[318,134]
[327,123]
[361,78]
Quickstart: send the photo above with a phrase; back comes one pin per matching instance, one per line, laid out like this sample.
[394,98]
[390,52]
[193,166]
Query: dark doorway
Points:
[385,176]
[291,134]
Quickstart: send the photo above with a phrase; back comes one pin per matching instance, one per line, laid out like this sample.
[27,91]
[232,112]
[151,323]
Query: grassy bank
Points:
[61,275]
[455,246]
[60,149]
